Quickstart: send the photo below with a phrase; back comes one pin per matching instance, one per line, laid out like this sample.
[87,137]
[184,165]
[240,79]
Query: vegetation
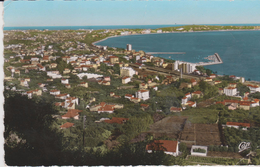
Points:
[200,150]
[235,136]
[212,161]
[205,28]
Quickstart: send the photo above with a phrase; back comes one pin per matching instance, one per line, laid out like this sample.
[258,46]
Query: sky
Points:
[135,12]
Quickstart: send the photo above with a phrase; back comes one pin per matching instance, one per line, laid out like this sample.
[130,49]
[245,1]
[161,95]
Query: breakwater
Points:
[166,53]
[216,60]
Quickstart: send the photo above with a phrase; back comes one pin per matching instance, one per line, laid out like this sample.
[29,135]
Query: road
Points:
[167,72]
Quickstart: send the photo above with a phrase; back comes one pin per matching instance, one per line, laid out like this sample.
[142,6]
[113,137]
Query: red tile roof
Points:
[67,125]
[116,120]
[125,77]
[128,95]
[144,105]
[142,91]
[70,114]
[197,92]
[175,109]
[163,145]
[238,124]
[193,80]
[253,86]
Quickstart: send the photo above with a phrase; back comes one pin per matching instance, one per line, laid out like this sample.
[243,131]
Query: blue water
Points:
[109,27]
[239,50]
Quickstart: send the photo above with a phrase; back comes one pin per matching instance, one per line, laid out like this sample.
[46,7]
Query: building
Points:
[127,72]
[125,80]
[65,81]
[128,96]
[237,125]
[129,47]
[186,67]
[72,113]
[113,59]
[116,120]
[103,107]
[167,146]
[230,91]
[197,93]
[142,94]
[54,92]
[143,86]
[253,88]
[175,109]
[67,125]
[84,84]
[199,150]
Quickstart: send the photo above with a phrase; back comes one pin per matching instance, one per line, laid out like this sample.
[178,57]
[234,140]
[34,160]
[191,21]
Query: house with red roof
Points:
[253,88]
[113,59]
[142,94]
[126,80]
[62,96]
[230,91]
[175,109]
[191,104]
[103,107]
[54,92]
[237,125]
[83,84]
[116,120]
[167,146]
[197,93]
[213,76]
[72,113]
[128,96]
[143,86]
[193,82]
[67,125]
[255,103]
[135,100]
[144,106]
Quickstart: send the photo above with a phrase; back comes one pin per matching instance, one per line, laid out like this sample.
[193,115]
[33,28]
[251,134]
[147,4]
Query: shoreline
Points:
[94,43]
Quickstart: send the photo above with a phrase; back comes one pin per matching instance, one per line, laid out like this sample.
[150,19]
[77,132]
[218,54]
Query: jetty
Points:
[179,53]
[215,59]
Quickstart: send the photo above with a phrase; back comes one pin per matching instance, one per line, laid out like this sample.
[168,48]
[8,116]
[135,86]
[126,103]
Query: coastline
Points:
[94,43]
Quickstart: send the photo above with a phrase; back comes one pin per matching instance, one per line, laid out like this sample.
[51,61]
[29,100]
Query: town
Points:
[106,97]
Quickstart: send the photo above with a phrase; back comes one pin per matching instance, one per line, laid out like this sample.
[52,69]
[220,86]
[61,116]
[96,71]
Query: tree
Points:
[31,121]
[208,72]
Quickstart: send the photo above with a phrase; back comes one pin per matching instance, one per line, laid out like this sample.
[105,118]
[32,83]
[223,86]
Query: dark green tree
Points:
[30,121]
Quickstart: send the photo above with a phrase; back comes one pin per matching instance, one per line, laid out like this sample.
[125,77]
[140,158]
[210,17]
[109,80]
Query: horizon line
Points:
[129,25]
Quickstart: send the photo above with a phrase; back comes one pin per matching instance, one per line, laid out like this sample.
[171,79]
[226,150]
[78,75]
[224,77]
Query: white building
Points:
[167,146]
[128,47]
[199,150]
[127,71]
[89,75]
[186,98]
[54,92]
[129,96]
[125,33]
[142,94]
[65,81]
[230,91]
[126,80]
[253,88]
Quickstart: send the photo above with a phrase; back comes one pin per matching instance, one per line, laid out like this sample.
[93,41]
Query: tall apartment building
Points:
[128,47]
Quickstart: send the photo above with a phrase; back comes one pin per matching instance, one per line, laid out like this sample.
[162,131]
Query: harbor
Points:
[213,59]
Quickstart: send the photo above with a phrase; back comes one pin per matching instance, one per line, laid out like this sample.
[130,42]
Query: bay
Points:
[239,50]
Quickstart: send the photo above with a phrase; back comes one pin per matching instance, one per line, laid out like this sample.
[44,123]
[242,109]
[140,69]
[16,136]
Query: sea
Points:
[239,50]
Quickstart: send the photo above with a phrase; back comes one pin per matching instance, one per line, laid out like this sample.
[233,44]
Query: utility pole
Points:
[84,119]
[181,73]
